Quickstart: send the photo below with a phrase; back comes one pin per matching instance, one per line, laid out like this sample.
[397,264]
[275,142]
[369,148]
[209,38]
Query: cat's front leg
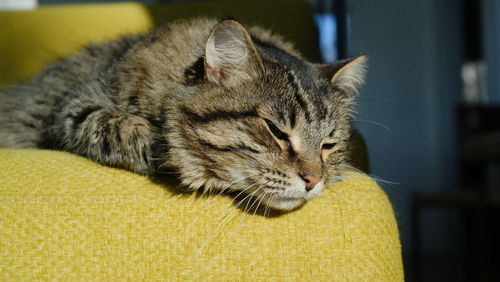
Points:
[109,137]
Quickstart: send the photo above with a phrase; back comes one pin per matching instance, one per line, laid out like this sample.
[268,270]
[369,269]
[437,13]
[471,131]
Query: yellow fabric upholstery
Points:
[31,39]
[65,217]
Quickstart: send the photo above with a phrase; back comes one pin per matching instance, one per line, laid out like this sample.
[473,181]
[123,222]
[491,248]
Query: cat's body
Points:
[225,108]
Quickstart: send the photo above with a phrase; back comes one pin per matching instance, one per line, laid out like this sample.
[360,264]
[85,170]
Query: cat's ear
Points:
[348,74]
[230,55]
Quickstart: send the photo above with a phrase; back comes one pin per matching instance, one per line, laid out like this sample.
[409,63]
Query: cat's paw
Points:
[135,137]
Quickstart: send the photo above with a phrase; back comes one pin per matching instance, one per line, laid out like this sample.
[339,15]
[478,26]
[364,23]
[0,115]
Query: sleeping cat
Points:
[224,106]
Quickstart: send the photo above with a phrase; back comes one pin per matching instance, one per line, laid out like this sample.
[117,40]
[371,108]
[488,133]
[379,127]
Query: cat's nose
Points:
[310,181]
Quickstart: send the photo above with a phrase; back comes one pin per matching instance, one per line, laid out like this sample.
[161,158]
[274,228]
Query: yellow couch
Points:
[64,217]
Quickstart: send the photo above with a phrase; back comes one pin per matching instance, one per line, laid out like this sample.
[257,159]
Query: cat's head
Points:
[265,122]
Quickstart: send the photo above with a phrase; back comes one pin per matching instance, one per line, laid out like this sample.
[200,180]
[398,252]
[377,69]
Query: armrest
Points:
[65,217]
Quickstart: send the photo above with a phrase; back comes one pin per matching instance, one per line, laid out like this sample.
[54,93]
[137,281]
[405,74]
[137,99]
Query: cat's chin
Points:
[283,203]
[288,202]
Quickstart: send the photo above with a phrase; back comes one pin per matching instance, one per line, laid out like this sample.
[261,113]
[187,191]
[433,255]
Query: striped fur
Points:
[222,106]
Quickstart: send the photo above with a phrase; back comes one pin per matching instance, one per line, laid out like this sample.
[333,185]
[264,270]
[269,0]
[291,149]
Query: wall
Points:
[491,39]
[412,87]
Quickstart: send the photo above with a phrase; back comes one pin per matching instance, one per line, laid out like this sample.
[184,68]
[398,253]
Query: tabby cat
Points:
[224,106]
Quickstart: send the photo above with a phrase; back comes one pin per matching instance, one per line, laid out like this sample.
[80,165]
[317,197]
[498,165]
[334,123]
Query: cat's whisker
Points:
[250,197]
[217,230]
[380,180]
[376,123]
[258,205]
[374,177]
[247,208]
[267,207]
[256,200]
[345,165]
[267,210]
[244,190]
[328,187]
[371,102]
[234,182]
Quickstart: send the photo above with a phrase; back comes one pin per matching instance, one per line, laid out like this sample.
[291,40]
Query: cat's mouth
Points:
[284,194]
[288,199]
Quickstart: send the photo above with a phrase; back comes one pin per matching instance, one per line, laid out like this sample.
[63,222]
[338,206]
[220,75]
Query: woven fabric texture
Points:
[65,217]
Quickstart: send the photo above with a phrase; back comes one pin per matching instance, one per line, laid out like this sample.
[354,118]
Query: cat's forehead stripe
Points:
[304,74]
[293,117]
[303,80]
[303,106]
[292,81]
[218,115]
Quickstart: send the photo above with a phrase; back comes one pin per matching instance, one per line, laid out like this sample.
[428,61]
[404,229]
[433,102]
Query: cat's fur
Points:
[226,107]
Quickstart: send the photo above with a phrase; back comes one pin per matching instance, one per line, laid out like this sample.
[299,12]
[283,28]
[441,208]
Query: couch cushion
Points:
[31,39]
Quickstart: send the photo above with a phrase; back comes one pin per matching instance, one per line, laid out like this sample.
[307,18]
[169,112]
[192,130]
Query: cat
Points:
[226,106]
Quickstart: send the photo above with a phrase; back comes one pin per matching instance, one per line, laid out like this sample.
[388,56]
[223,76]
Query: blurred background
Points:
[430,114]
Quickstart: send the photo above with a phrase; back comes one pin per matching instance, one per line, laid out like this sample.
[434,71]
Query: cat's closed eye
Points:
[275,131]
[283,137]
[328,146]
